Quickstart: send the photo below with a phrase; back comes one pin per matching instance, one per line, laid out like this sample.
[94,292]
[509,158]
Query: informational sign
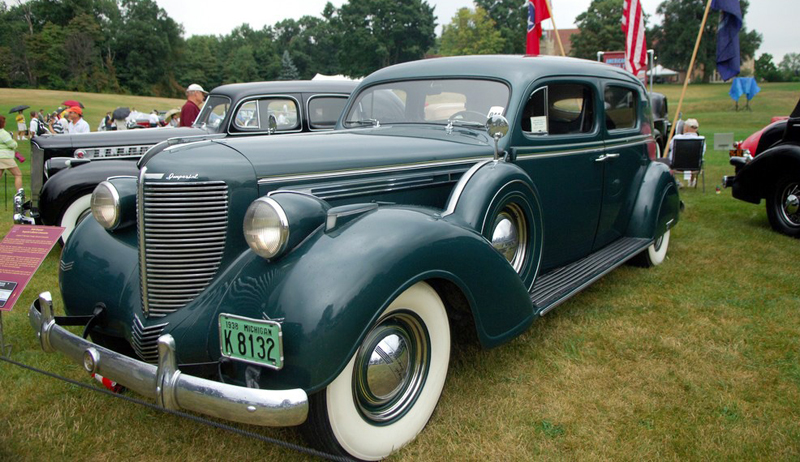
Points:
[614,58]
[21,252]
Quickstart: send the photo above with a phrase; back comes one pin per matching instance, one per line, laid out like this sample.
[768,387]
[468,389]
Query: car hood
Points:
[113,138]
[274,156]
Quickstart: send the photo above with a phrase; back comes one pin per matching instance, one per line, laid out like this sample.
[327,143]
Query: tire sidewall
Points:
[369,441]
[775,209]
[656,256]
[70,217]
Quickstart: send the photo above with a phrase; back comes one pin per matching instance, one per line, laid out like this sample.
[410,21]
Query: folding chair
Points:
[687,156]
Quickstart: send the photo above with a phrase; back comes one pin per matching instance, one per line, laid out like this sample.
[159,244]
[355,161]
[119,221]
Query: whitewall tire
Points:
[79,209]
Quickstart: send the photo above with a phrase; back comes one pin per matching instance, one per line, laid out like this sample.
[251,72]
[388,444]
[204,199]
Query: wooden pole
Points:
[688,76]
[555,29]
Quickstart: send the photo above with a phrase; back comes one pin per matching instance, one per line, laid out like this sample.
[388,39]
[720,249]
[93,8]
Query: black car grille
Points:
[182,228]
[144,340]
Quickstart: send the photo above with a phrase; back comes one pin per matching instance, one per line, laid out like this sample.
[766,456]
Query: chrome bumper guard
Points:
[20,217]
[165,383]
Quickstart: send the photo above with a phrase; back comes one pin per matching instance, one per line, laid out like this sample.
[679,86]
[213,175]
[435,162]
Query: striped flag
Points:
[635,44]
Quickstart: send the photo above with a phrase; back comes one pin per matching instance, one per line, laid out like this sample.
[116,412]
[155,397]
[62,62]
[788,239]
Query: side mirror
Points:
[272,125]
[497,126]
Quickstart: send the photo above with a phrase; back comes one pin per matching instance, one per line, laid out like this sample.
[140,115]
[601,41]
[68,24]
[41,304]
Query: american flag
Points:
[635,43]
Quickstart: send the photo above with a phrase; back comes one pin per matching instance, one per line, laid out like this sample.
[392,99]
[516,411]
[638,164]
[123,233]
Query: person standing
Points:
[7,150]
[76,123]
[21,126]
[153,118]
[55,125]
[195,95]
[33,129]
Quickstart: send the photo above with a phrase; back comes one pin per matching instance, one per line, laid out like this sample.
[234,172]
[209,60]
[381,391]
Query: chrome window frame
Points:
[299,107]
[224,120]
[324,95]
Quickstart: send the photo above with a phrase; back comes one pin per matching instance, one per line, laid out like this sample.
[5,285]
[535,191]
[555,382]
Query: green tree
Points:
[600,29]
[766,69]
[511,19]
[471,33]
[45,50]
[790,66]
[675,38]
[288,70]
[198,62]
[377,33]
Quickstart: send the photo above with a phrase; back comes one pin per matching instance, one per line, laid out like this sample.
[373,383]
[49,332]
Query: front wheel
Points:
[79,209]
[387,392]
[783,207]
[655,253]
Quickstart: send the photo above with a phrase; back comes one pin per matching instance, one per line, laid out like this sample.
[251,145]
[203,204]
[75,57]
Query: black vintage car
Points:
[773,174]
[661,123]
[82,161]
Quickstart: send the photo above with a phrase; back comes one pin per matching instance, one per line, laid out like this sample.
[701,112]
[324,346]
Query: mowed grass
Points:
[696,359]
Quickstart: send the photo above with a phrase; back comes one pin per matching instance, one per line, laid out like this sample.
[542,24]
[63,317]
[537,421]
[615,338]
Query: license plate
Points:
[254,341]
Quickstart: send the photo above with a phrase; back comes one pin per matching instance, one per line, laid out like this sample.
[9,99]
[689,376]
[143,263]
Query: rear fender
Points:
[755,180]
[331,289]
[657,206]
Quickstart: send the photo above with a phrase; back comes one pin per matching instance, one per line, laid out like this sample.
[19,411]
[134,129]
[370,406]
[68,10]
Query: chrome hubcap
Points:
[510,235]
[391,367]
[791,204]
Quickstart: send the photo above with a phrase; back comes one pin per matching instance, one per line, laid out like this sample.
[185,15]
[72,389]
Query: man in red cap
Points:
[195,95]
[76,123]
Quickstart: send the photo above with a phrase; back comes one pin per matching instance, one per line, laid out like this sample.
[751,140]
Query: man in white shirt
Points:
[153,118]
[34,127]
[76,123]
[690,128]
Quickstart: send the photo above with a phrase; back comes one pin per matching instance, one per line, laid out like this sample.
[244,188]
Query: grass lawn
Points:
[698,358]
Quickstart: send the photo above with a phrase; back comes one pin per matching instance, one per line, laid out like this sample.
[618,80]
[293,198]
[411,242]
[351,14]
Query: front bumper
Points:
[22,209]
[165,383]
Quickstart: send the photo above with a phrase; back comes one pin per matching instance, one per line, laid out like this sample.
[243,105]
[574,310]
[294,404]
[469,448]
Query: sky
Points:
[774,19]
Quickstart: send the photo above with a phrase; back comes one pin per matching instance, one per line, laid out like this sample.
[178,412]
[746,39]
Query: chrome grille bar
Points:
[182,232]
[144,340]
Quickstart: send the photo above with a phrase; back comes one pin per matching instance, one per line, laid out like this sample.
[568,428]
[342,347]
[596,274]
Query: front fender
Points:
[754,180]
[657,206]
[333,287]
[69,184]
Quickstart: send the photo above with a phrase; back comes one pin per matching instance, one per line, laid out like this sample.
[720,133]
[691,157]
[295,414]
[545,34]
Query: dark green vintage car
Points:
[315,279]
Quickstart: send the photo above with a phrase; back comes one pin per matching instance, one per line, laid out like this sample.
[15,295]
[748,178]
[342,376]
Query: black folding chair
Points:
[687,156]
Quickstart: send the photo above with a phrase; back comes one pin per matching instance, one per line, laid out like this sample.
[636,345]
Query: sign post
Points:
[22,251]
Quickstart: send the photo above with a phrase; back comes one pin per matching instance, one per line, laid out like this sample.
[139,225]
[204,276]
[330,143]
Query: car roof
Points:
[239,90]
[516,69]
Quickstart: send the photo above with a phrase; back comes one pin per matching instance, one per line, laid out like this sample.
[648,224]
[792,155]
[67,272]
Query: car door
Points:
[624,159]
[557,144]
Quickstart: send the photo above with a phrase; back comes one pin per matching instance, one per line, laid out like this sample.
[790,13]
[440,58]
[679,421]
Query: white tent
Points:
[334,77]
[661,71]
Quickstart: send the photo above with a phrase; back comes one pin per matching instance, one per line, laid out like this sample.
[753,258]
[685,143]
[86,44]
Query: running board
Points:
[556,286]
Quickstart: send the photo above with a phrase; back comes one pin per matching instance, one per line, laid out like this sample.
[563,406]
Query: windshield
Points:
[213,113]
[428,101]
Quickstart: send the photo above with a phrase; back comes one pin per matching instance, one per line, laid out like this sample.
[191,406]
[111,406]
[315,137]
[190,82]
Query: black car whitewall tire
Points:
[368,415]
[79,209]
[782,206]
[655,253]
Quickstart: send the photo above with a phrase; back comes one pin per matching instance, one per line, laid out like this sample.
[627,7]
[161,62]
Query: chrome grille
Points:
[182,228]
[144,340]
[113,151]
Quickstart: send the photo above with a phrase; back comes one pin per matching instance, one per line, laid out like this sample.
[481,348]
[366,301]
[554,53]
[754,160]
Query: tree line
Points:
[133,46]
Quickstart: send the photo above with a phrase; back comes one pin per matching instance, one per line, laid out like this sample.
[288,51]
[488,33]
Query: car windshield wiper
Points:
[371,122]
[462,123]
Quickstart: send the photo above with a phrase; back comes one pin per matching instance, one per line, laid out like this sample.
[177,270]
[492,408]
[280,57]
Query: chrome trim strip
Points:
[366,171]
[462,183]
[140,231]
[165,383]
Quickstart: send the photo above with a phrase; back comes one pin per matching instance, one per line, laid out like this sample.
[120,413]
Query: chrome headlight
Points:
[266,227]
[106,205]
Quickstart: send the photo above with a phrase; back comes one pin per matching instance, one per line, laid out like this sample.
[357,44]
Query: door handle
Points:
[606,157]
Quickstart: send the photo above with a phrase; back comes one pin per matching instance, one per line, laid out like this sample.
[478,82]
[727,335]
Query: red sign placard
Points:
[614,58]
[21,252]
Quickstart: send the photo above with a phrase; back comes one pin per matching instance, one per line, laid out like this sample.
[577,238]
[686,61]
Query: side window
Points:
[284,110]
[324,111]
[620,105]
[559,109]
[247,116]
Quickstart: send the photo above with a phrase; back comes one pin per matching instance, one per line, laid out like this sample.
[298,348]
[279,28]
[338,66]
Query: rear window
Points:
[559,109]
[324,111]
[620,105]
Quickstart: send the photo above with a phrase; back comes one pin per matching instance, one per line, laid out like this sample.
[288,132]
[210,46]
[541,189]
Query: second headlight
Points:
[106,205]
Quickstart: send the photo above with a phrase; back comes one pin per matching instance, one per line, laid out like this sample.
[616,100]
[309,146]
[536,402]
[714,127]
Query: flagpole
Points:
[555,29]
[688,76]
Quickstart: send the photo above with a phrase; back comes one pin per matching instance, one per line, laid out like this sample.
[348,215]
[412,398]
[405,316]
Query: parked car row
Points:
[316,279]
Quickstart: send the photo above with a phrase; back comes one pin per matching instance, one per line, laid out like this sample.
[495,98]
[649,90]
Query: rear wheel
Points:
[783,206]
[387,392]
[654,254]
[76,212]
